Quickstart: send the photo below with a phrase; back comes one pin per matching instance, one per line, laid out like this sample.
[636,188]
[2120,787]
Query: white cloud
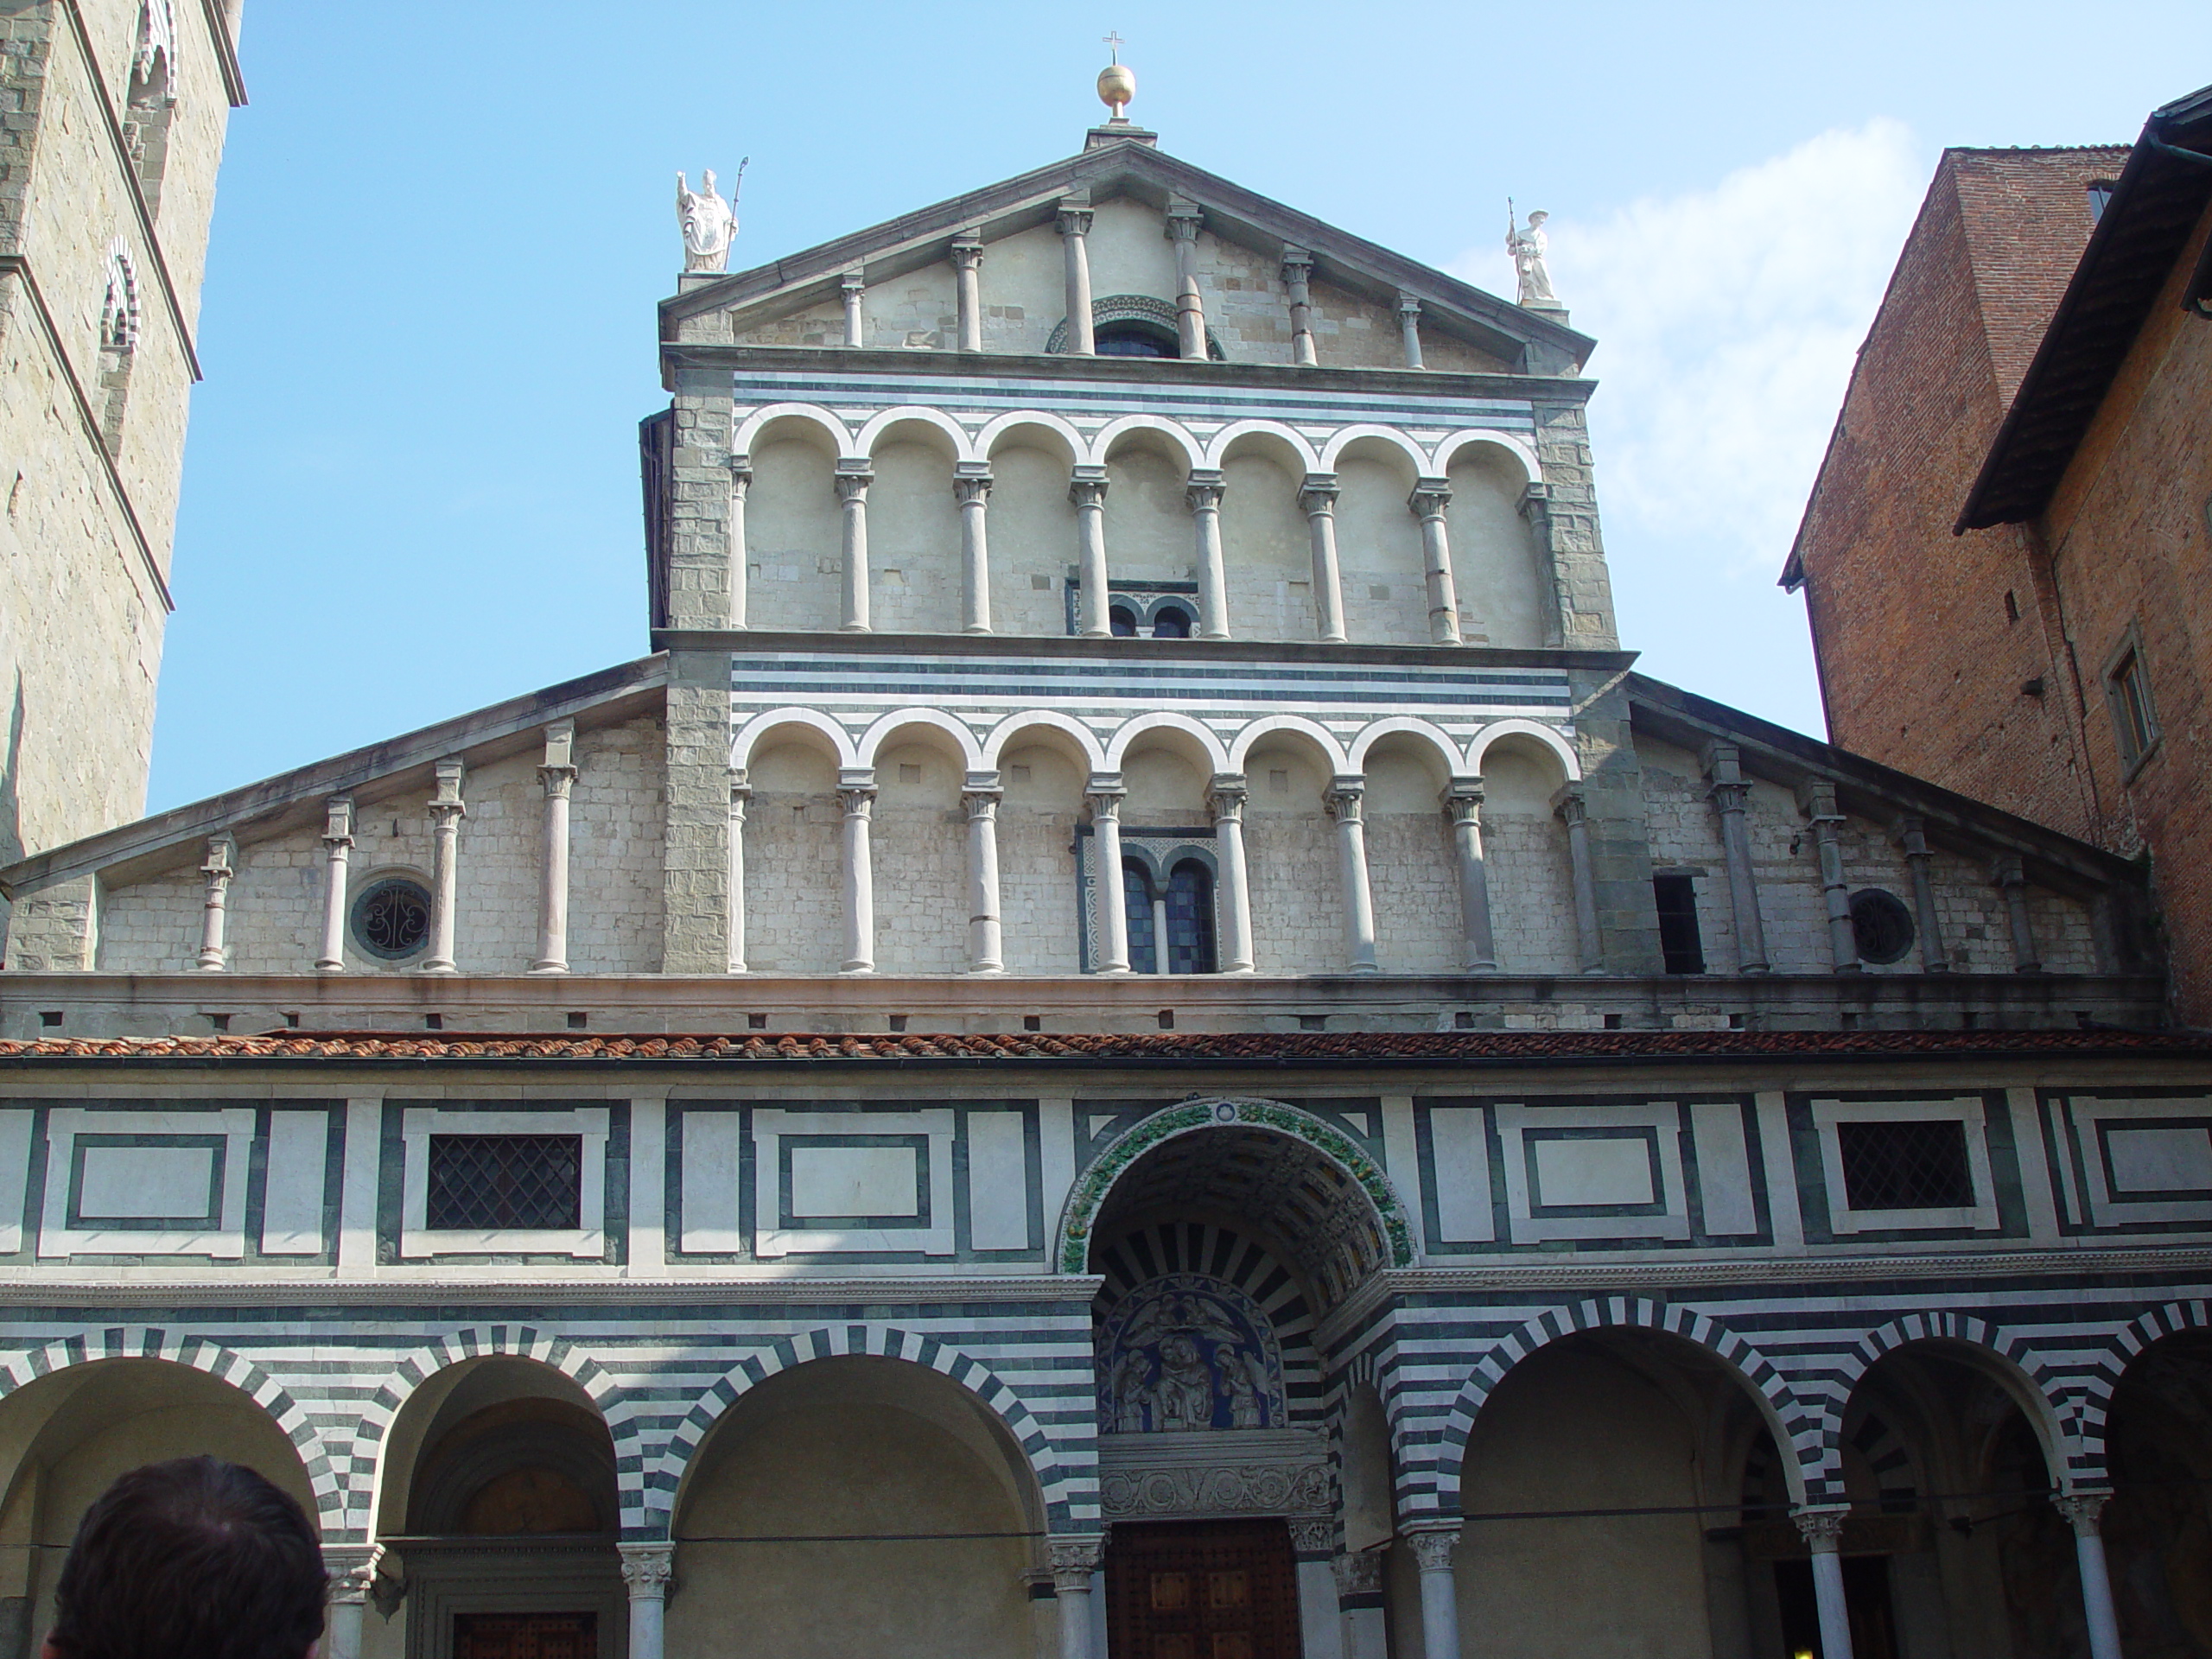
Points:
[1726,321]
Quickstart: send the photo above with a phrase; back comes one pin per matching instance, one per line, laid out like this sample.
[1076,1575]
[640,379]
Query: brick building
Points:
[2002,552]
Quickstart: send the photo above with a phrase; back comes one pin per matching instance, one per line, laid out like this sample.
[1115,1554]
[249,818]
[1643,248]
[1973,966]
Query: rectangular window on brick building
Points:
[1680,946]
[2127,687]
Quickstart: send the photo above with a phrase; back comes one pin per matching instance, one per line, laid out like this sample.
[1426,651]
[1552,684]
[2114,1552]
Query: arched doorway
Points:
[498,1514]
[1222,1243]
[65,1437]
[859,1508]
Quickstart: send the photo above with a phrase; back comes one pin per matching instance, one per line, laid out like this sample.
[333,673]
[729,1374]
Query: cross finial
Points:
[1113,42]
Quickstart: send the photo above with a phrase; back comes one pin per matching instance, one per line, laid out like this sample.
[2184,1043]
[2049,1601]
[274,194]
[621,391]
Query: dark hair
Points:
[193,1559]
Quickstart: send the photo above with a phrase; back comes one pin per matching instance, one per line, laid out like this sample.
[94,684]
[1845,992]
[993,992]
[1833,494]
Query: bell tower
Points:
[107,182]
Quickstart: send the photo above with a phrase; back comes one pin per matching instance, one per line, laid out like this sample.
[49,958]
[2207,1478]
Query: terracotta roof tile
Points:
[1470,1046]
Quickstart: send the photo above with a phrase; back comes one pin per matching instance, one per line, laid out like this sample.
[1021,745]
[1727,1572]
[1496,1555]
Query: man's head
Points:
[194,1558]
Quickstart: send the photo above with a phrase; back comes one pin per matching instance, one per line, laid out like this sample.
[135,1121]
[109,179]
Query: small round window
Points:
[1881,927]
[391,919]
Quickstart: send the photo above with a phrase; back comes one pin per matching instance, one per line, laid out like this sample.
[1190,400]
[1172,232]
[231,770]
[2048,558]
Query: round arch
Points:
[373,1472]
[1012,726]
[971,752]
[1007,428]
[1271,433]
[750,429]
[1387,438]
[1071,1239]
[1545,736]
[1177,438]
[1505,443]
[1240,748]
[1118,746]
[1403,725]
[964,447]
[1437,1490]
[664,1474]
[750,735]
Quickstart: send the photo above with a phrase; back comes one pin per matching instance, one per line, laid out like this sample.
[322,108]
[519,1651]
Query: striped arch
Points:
[1066,1497]
[1240,749]
[971,752]
[1436,1489]
[1226,439]
[1547,736]
[1407,726]
[327,1474]
[840,434]
[1179,438]
[750,735]
[2036,1387]
[369,1470]
[964,448]
[1506,442]
[2087,1394]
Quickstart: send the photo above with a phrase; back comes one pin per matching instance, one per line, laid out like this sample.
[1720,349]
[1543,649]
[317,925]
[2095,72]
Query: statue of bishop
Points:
[708,222]
[1527,248]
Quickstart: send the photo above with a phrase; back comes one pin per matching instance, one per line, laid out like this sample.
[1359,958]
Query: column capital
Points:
[853,282]
[337,821]
[1816,800]
[1408,304]
[1087,485]
[1297,265]
[1724,764]
[558,781]
[1434,1544]
[1429,498]
[2007,871]
[221,851]
[972,481]
[856,790]
[1318,493]
[1910,834]
[1571,803]
[740,471]
[1535,502]
[1075,221]
[352,1569]
[1313,1537]
[1343,797]
[981,802]
[447,793]
[852,479]
[2082,1511]
[1822,1527]
[1105,794]
[1075,1557]
[1183,221]
[1462,800]
[968,252]
[1204,490]
[1226,793]
[647,1568]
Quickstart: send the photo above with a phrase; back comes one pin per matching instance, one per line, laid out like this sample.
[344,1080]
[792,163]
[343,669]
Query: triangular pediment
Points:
[1122,180]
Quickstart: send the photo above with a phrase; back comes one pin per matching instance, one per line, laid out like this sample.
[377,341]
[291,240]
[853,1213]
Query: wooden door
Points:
[1202,1590]
[525,1636]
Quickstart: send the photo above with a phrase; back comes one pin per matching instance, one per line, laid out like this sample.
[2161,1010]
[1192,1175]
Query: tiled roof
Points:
[1503,1046]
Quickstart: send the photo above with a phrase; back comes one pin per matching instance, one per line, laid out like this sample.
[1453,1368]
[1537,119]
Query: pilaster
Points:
[695,868]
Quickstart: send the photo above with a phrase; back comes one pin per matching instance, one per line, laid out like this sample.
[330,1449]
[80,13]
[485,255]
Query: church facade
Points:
[1134,1036]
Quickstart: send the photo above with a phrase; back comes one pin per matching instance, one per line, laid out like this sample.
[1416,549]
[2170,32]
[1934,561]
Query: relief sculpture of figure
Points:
[708,222]
[1527,248]
[1183,1395]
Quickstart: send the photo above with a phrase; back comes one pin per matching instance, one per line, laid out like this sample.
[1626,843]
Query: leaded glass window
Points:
[1190,918]
[1144,938]
[1920,1164]
[499,1182]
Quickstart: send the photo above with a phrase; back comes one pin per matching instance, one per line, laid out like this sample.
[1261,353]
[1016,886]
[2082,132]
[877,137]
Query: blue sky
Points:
[411,483]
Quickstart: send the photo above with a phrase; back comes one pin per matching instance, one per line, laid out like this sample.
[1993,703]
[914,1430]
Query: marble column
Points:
[1462,800]
[1182,229]
[2006,874]
[446,810]
[1318,496]
[740,793]
[1297,282]
[1105,793]
[1225,797]
[986,945]
[214,913]
[337,856]
[647,1570]
[971,487]
[352,1569]
[1321,1620]
[851,479]
[856,795]
[558,775]
[1204,493]
[967,273]
[854,287]
[1817,801]
[1823,1532]
[1345,798]
[1074,227]
[1573,809]
[1430,498]
[1360,1603]
[741,570]
[2082,1511]
[1088,491]
[1074,1559]
[1912,838]
[1410,327]
[1432,1547]
[1730,791]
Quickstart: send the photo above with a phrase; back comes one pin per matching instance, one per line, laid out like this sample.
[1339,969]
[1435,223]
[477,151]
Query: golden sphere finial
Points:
[1117,82]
